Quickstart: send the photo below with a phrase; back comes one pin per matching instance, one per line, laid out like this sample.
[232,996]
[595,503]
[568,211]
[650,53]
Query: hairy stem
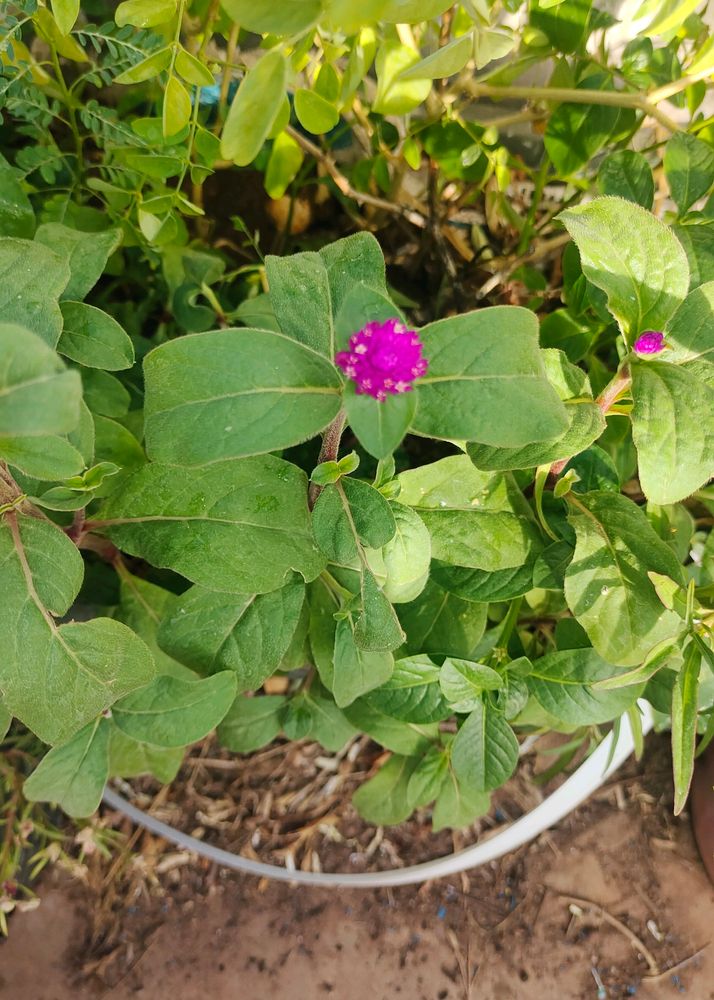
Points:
[328,452]
[613,391]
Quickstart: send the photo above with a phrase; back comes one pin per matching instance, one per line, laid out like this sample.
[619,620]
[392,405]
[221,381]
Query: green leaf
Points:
[254,109]
[148,68]
[565,25]
[400,737]
[286,158]
[129,758]
[211,396]
[104,394]
[300,296]
[689,169]
[396,96]
[406,556]
[685,708]
[412,11]
[246,633]
[91,337]
[634,258]
[384,799]
[484,753]
[17,217]
[458,804]
[142,605]
[412,693]
[463,682]
[322,625]
[315,114]
[486,380]
[33,278]
[698,242]
[627,174]
[444,62]
[606,585]
[264,17]
[563,684]
[170,712]
[348,514]
[251,723]
[193,70]
[73,775]
[54,678]
[584,415]
[354,260]
[329,726]
[5,721]
[65,14]
[86,253]
[479,586]
[576,132]
[673,435]
[376,626]
[144,13]
[176,108]
[690,332]
[356,670]
[114,443]
[429,776]
[237,526]
[379,426]
[38,394]
[438,623]
[46,457]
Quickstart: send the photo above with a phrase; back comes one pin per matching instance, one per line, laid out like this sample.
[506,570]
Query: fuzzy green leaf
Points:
[238,526]
[231,393]
[93,338]
[73,775]
[486,381]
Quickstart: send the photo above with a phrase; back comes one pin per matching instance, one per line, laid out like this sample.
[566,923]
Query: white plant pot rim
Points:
[589,776]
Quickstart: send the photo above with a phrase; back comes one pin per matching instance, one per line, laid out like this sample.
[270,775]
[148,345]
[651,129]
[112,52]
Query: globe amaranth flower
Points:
[649,342]
[383,358]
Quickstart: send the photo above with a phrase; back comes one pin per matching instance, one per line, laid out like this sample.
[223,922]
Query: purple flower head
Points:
[383,358]
[649,342]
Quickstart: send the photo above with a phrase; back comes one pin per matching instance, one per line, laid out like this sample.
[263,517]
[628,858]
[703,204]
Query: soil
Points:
[617,887]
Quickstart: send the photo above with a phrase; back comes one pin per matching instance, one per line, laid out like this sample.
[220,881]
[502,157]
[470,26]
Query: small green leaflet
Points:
[406,556]
[463,683]
[170,712]
[231,393]
[486,381]
[254,108]
[633,257]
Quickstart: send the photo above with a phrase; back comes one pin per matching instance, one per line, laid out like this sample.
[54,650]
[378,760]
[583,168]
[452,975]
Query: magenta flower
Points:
[649,342]
[383,358]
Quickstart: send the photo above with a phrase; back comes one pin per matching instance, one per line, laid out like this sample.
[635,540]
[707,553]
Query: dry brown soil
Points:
[510,931]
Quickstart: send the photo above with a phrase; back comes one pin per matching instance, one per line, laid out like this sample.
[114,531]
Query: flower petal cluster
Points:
[649,342]
[383,359]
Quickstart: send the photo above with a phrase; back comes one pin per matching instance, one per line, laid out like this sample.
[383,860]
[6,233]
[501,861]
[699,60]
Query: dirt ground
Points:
[617,887]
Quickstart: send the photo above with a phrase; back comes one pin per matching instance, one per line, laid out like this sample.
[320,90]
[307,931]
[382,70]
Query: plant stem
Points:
[606,400]
[570,95]
[328,451]
[226,78]
[69,103]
